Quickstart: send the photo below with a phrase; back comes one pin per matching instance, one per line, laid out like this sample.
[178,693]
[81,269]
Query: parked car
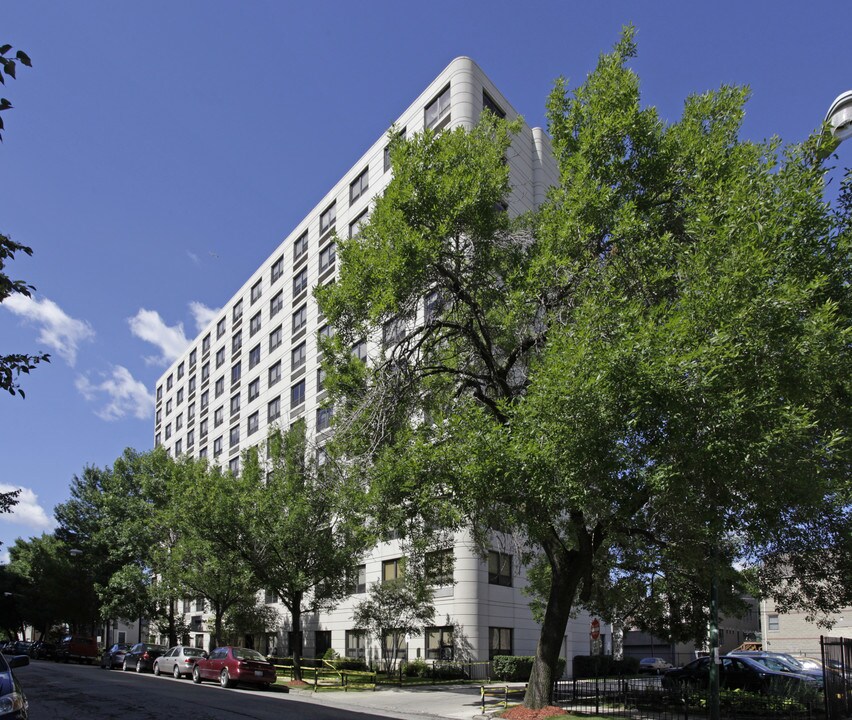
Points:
[654,665]
[737,672]
[114,656]
[788,664]
[13,702]
[42,650]
[232,665]
[178,661]
[79,649]
[141,657]
[17,647]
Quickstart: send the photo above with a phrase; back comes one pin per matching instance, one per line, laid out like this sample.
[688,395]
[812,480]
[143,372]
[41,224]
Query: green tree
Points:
[393,610]
[661,360]
[293,523]
[11,366]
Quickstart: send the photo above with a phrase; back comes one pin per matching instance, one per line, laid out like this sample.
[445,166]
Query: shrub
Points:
[517,668]
[416,668]
[443,670]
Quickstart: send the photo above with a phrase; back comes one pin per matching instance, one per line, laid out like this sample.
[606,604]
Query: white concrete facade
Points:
[257,363]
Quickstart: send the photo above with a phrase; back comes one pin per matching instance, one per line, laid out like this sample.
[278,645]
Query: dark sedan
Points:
[13,702]
[738,673]
[114,656]
[141,657]
[231,665]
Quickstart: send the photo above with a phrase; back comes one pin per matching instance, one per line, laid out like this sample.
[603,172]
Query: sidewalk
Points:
[447,702]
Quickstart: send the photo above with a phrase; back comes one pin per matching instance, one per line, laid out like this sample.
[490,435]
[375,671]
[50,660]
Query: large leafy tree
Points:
[658,368]
[292,521]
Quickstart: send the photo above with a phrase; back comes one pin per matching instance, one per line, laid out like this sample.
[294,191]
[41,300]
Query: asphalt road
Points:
[59,691]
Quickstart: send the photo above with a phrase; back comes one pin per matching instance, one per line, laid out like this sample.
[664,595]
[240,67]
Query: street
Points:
[58,691]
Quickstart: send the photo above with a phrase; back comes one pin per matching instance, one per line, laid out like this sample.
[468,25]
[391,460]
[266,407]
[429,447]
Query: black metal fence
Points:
[837,673]
[646,698]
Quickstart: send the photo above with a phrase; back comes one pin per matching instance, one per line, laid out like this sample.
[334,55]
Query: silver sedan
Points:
[178,661]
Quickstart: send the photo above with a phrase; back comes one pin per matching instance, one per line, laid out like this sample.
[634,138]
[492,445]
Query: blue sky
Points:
[159,151]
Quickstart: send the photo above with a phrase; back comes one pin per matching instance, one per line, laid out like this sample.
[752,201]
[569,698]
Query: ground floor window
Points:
[199,641]
[499,641]
[439,643]
[356,644]
[394,645]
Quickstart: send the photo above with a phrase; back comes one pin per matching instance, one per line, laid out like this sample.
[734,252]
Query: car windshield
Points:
[246,654]
[193,652]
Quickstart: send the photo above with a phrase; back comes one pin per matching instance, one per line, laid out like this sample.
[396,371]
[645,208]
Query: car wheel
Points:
[156,669]
[196,676]
[176,672]
[124,664]
[139,666]
[225,679]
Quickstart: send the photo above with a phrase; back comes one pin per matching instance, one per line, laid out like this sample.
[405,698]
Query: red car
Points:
[232,665]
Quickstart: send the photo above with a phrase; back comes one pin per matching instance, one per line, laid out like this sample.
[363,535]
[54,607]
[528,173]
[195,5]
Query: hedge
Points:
[589,666]
[517,668]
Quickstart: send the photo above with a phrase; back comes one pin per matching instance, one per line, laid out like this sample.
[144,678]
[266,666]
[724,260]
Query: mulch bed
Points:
[519,712]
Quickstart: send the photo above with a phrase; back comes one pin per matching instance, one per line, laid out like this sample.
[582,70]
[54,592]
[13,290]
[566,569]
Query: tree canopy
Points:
[652,370]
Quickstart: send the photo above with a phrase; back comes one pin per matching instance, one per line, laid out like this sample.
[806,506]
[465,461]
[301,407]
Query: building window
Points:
[324,415]
[275,338]
[255,292]
[159,416]
[359,350]
[219,387]
[356,580]
[300,318]
[356,644]
[395,645]
[326,258]
[300,247]
[393,332]
[205,344]
[489,104]
[205,399]
[254,389]
[218,416]
[773,623]
[297,357]
[254,324]
[355,225]
[191,385]
[297,394]
[168,406]
[190,439]
[179,397]
[221,326]
[270,597]
[169,382]
[274,373]
[159,393]
[190,412]
[217,447]
[236,373]
[320,379]
[193,356]
[499,568]
[220,357]
[168,431]
[254,356]
[179,422]
[276,303]
[499,642]
[178,447]
[300,282]
[273,410]
[437,112]
[277,268]
[439,643]
[180,371]
[205,372]
[157,440]
[235,436]
[325,331]
[238,311]
[202,429]
[387,157]
[439,567]
[253,423]
[328,218]
[236,342]
[359,185]
[235,404]
[391,569]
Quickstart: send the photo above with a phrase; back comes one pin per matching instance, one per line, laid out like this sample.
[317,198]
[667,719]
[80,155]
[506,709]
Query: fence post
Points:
[597,695]
[482,699]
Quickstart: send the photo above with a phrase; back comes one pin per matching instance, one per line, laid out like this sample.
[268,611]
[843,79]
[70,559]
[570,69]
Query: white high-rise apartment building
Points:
[257,364]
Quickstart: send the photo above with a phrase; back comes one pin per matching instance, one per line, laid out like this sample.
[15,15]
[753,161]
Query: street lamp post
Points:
[839,116]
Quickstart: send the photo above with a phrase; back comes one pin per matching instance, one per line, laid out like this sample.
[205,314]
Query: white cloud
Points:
[192,256]
[57,330]
[149,326]
[126,395]
[27,512]
[203,315]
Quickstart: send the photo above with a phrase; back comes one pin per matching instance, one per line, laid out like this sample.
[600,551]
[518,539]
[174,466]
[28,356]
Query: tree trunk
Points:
[567,569]
[296,615]
[217,624]
[618,638]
